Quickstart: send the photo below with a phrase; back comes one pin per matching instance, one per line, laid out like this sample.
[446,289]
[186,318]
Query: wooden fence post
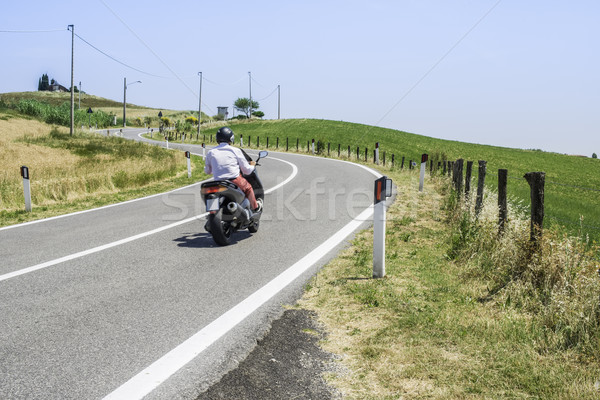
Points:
[502,208]
[536,182]
[339,150]
[480,186]
[468,178]
[393,159]
[287,144]
[297,143]
[458,168]
[357,153]
[402,165]
[444,168]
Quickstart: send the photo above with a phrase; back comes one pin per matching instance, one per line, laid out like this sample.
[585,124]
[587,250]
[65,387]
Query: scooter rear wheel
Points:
[254,227]
[221,230]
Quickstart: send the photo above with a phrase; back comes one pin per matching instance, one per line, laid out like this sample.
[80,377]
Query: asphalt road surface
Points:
[136,301]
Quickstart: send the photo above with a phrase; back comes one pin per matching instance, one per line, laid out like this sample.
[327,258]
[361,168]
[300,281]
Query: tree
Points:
[594,155]
[242,104]
[43,83]
[258,114]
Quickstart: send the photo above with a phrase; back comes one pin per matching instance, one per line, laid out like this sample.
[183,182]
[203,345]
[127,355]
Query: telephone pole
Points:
[250,83]
[72,79]
[278,102]
[200,104]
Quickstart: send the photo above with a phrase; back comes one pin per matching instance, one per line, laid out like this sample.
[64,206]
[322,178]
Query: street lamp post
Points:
[125,97]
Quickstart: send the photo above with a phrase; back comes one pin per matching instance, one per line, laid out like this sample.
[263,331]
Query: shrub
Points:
[558,285]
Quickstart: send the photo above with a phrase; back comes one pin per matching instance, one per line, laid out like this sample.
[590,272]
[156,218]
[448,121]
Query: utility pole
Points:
[250,83]
[200,104]
[278,102]
[79,108]
[124,98]
[72,69]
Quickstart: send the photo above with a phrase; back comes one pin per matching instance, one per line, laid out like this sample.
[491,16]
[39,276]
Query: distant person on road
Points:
[224,162]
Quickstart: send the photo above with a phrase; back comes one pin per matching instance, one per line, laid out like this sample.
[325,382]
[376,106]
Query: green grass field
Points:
[572,196]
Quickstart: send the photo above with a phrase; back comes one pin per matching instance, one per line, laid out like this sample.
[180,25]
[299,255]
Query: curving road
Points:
[135,300]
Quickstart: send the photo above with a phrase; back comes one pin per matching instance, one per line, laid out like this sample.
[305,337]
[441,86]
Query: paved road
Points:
[135,299]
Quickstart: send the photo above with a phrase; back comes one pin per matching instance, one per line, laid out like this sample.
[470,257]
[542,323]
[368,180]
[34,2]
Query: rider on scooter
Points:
[224,162]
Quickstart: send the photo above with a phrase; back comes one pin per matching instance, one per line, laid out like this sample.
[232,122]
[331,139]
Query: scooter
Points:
[229,209]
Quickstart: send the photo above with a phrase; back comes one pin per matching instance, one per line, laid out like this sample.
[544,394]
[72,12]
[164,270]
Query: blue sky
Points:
[507,73]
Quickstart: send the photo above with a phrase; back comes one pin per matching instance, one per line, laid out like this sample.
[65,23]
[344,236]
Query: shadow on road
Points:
[204,240]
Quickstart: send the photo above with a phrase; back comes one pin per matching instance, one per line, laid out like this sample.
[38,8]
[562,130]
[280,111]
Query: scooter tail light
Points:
[213,189]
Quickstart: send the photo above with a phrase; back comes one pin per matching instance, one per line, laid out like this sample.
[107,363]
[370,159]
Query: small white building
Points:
[223,111]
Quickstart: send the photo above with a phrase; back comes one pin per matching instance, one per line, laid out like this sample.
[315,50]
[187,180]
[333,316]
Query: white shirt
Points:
[225,162]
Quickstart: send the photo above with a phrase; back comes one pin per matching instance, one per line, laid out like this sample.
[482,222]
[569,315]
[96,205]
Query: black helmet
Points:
[225,134]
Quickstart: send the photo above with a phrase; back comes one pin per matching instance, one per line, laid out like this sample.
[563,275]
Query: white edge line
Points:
[37,221]
[131,238]
[97,249]
[162,369]
[154,375]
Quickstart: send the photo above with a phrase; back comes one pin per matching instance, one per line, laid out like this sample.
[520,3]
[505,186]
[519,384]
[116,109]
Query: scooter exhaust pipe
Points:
[232,207]
[237,211]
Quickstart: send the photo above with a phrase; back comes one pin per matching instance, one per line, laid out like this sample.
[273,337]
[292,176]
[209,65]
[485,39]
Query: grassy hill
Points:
[572,182]
[58,98]
[54,108]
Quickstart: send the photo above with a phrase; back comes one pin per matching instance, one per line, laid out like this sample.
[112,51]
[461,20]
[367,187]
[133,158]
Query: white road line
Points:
[158,372]
[96,249]
[37,221]
[131,238]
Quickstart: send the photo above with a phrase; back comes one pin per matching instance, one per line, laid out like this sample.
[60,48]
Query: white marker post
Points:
[189,165]
[26,188]
[203,151]
[313,147]
[383,190]
[241,141]
[377,153]
[424,158]
[167,139]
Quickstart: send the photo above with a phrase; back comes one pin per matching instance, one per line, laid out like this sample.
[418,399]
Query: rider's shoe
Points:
[258,209]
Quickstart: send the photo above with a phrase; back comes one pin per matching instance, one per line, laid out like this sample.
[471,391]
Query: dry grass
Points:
[67,170]
[424,330]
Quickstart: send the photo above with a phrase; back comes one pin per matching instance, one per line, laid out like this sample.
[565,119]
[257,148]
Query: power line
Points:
[226,84]
[31,31]
[114,59]
[150,49]
[438,62]
[271,94]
